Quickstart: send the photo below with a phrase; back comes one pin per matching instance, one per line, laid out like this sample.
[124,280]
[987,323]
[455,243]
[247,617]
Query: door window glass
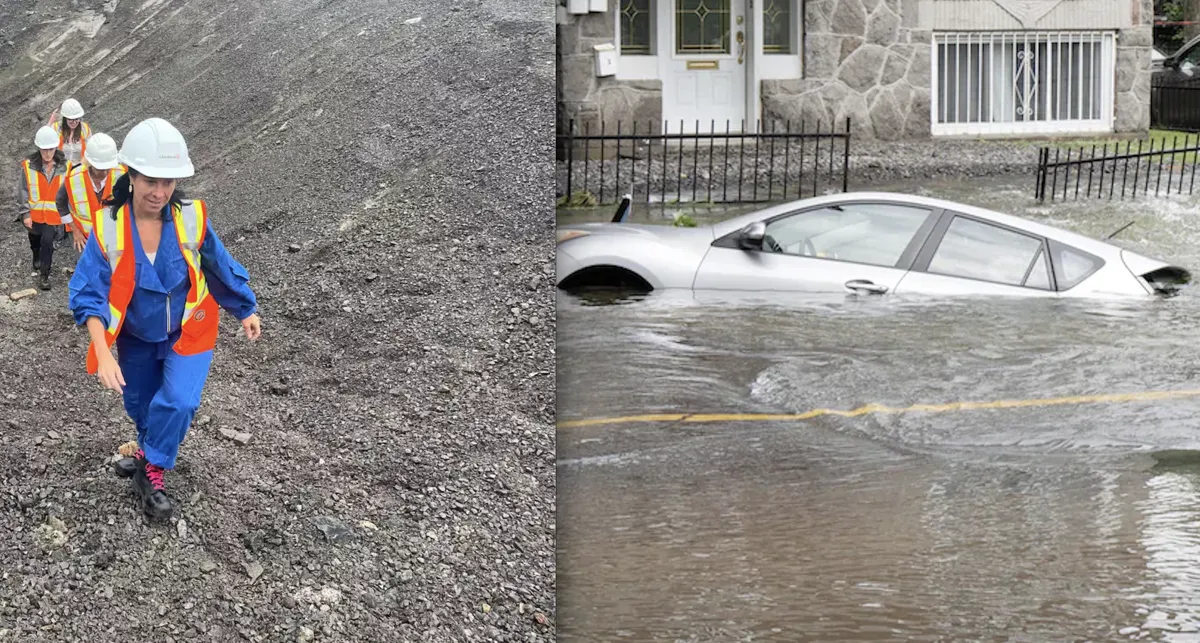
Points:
[977,250]
[870,233]
[702,26]
[637,20]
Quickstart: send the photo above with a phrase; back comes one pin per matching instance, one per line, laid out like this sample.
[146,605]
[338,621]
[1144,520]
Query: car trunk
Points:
[1163,278]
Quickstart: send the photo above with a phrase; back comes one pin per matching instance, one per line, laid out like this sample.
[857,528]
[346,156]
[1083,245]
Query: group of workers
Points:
[63,182]
[149,279]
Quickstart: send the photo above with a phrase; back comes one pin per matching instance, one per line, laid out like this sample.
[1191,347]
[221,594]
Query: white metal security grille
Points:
[1022,83]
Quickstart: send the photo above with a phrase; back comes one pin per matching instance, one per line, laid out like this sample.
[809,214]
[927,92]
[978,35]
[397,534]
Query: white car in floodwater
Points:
[866,243]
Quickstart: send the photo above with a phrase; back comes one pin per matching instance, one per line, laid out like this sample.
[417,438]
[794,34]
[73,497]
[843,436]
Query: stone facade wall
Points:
[863,62]
[588,99]
[1133,80]
[1133,69]
[866,60]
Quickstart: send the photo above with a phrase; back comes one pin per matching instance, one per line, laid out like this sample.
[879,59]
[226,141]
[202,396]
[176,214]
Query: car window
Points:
[1192,56]
[870,233]
[977,250]
[1039,275]
[1071,266]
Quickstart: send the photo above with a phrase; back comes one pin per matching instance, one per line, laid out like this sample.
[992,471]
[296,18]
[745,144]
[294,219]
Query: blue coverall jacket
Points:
[162,388]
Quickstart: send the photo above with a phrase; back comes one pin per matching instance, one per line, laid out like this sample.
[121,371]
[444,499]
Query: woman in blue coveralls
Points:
[138,301]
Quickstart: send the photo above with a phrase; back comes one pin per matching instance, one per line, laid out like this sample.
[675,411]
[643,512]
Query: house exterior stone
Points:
[897,69]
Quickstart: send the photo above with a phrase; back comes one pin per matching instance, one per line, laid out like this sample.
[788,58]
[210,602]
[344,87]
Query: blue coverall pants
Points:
[161,393]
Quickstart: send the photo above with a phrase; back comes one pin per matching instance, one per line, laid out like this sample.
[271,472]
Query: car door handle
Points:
[855,285]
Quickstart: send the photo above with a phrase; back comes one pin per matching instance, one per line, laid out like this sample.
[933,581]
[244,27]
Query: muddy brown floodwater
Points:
[1065,522]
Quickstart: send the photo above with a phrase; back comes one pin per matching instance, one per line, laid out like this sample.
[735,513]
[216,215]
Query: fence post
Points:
[1040,176]
[846,159]
[570,155]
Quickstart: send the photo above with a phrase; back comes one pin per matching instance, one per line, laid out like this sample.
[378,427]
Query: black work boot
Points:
[148,484]
[125,467]
[44,282]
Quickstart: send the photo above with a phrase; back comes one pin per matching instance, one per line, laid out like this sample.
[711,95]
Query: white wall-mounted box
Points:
[606,59]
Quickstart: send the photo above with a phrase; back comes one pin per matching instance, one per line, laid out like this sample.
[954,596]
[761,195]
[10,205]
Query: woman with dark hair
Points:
[73,133]
[150,280]
[41,175]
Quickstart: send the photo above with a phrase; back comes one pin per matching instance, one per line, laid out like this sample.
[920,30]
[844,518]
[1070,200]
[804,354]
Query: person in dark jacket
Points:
[41,175]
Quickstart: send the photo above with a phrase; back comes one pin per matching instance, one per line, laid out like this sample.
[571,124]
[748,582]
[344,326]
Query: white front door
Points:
[704,72]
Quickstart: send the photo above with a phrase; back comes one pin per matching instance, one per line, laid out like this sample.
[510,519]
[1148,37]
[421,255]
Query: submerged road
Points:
[877,469]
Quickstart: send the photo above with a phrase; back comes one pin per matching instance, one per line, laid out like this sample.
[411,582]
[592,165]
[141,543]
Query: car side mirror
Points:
[752,235]
[1170,62]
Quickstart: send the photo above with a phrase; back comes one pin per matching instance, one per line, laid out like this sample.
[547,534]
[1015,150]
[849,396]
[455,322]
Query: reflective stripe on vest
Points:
[189,232]
[81,194]
[42,194]
[200,325]
[112,234]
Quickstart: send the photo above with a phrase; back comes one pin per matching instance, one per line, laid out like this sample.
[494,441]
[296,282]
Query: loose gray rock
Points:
[363,395]
[239,437]
[335,530]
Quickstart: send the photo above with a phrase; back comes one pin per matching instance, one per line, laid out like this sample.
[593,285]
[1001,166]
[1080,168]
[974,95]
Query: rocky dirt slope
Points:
[384,170]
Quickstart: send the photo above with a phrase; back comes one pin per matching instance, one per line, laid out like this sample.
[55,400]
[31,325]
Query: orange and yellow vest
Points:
[85,131]
[81,194]
[43,193]
[198,332]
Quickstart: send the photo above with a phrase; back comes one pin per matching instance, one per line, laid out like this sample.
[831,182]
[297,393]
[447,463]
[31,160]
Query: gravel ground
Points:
[872,163]
[387,183]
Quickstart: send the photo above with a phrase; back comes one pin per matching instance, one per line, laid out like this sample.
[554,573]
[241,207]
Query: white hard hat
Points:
[71,109]
[46,138]
[101,152]
[156,149]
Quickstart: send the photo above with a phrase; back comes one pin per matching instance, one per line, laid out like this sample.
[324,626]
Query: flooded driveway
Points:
[1069,518]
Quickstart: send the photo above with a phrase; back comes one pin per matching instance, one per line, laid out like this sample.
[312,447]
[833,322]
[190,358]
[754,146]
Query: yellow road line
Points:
[1136,396]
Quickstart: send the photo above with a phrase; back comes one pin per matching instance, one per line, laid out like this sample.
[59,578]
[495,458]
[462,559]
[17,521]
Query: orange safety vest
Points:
[42,194]
[200,313]
[81,194]
[85,131]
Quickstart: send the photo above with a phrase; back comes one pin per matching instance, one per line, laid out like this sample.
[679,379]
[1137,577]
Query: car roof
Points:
[1066,236]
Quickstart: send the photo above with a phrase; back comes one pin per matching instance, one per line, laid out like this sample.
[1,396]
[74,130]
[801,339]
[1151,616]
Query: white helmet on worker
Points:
[156,149]
[71,109]
[46,138]
[101,152]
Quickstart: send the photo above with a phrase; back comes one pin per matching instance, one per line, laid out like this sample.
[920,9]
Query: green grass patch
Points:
[578,199]
[1159,138]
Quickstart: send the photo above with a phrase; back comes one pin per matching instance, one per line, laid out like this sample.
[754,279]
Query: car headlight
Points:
[567,235]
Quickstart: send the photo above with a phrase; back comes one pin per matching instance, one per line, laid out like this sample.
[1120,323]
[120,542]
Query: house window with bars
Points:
[1022,82]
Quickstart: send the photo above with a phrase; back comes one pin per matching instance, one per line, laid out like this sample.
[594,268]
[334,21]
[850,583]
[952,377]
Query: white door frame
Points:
[751,27]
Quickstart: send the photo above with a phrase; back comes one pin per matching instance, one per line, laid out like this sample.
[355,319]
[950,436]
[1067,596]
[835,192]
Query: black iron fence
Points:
[784,161]
[1095,171]
[1175,107]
